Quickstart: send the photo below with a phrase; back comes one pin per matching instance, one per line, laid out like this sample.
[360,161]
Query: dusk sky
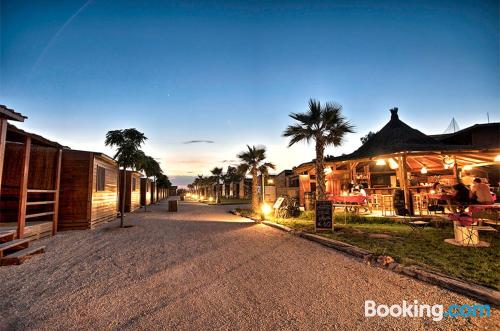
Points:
[231,72]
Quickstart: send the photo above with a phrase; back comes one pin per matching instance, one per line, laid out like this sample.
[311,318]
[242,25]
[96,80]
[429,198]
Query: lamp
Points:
[393,164]
[380,162]
[467,167]
[266,209]
[497,158]
[423,170]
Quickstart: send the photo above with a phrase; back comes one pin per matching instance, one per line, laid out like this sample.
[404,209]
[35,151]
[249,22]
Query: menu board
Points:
[324,215]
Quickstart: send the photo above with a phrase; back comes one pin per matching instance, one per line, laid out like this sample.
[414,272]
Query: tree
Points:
[231,176]
[151,168]
[128,154]
[253,162]
[218,175]
[326,126]
[367,137]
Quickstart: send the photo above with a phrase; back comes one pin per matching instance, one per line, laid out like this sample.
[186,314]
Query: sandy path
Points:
[203,268]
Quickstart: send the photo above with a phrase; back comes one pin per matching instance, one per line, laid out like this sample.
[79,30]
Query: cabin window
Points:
[101,179]
[133,184]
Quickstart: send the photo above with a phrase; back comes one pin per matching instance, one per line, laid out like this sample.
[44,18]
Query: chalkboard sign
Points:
[324,215]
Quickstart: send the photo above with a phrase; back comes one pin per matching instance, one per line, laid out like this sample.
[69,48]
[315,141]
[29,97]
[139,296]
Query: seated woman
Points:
[460,196]
[480,193]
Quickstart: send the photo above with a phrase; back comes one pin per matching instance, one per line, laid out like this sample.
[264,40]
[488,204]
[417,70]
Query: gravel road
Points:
[202,268]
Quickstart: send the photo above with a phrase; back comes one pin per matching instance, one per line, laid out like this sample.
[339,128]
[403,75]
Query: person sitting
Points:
[460,196]
[480,192]
[437,188]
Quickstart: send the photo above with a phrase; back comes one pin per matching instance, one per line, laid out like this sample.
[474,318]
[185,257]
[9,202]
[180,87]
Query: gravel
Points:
[203,268]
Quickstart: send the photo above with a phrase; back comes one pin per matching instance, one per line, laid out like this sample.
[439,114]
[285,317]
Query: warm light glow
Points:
[423,170]
[467,167]
[497,158]
[432,191]
[270,181]
[380,162]
[266,209]
[202,197]
[328,170]
[210,199]
[393,164]
[195,196]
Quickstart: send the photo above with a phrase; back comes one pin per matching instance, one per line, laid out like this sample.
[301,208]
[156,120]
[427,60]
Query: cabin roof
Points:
[466,130]
[36,139]
[10,114]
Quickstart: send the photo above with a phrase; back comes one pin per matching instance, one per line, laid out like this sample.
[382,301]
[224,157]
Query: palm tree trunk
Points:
[123,197]
[255,193]
[320,171]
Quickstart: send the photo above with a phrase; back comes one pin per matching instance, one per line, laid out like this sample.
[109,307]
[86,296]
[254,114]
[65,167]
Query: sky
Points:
[231,72]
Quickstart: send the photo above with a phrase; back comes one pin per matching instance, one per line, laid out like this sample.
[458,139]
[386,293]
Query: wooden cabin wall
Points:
[11,177]
[74,193]
[132,199]
[135,200]
[104,205]
[145,191]
[42,170]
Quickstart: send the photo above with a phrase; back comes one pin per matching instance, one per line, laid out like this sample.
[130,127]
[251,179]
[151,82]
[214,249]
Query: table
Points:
[345,201]
[487,212]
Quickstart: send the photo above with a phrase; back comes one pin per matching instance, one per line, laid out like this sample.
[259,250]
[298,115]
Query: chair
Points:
[387,204]
[419,203]
[374,202]
[414,223]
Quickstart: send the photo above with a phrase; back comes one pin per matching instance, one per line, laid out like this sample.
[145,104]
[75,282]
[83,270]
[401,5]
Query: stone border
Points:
[474,291]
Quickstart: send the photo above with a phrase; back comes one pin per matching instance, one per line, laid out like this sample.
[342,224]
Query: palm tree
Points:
[151,168]
[128,154]
[326,126]
[252,161]
[217,174]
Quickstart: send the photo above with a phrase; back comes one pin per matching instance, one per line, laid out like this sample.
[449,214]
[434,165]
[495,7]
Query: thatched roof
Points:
[395,137]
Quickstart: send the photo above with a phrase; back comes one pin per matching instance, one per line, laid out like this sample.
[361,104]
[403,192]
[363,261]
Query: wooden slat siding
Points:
[74,185]
[3,139]
[104,203]
[23,189]
[56,194]
[135,199]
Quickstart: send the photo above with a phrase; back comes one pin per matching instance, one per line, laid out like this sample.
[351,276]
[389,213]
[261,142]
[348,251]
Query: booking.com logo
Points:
[436,312]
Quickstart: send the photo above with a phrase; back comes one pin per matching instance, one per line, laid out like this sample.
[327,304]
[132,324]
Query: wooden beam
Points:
[3,139]
[55,217]
[23,188]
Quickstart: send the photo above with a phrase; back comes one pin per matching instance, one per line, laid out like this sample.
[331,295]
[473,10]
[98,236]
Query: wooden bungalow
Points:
[154,193]
[287,184]
[29,195]
[399,157]
[133,190]
[146,193]
[89,190]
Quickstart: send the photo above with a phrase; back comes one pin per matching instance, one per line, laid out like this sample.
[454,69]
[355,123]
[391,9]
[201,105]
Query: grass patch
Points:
[424,247]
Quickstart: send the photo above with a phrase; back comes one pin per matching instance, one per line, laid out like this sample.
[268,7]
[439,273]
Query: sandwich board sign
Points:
[324,215]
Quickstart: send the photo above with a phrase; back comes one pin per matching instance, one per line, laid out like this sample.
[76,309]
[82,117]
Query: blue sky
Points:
[231,72]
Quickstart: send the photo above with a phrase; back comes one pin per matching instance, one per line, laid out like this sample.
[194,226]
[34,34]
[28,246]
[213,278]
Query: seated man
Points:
[480,192]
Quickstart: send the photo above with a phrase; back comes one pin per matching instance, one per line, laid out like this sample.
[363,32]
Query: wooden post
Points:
[404,182]
[3,140]
[23,188]
[455,170]
[56,193]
